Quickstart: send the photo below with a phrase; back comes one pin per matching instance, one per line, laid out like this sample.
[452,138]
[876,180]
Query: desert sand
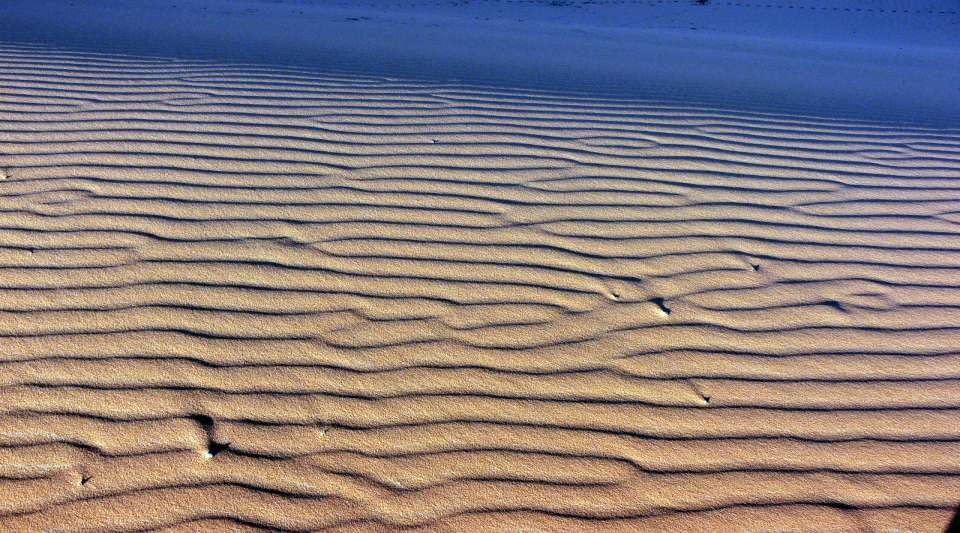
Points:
[240,296]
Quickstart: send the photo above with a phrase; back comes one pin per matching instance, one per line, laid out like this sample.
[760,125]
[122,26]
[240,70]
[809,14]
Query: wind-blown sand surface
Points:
[236,297]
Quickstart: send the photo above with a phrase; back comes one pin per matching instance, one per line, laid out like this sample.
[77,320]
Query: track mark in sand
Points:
[295,301]
[214,448]
[833,304]
[662,305]
[699,390]
[954,524]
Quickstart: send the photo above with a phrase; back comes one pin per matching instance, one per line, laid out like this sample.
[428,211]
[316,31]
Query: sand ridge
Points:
[236,297]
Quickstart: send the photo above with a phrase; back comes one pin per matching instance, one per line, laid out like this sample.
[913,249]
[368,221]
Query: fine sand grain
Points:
[236,297]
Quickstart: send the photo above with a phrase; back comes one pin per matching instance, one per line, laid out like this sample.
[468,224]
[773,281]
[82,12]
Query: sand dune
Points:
[237,297]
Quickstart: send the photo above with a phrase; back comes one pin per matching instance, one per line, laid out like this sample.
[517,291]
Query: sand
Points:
[239,297]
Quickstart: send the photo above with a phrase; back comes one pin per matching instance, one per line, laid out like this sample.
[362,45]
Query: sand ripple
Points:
[234,297]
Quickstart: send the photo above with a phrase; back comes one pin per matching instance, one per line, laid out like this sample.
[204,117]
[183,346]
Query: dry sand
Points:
[235,297]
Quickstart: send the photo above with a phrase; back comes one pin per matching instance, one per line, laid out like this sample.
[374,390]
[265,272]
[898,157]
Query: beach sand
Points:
[241,295]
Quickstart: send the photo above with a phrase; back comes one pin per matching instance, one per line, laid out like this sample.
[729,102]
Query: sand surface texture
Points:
[236,297]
